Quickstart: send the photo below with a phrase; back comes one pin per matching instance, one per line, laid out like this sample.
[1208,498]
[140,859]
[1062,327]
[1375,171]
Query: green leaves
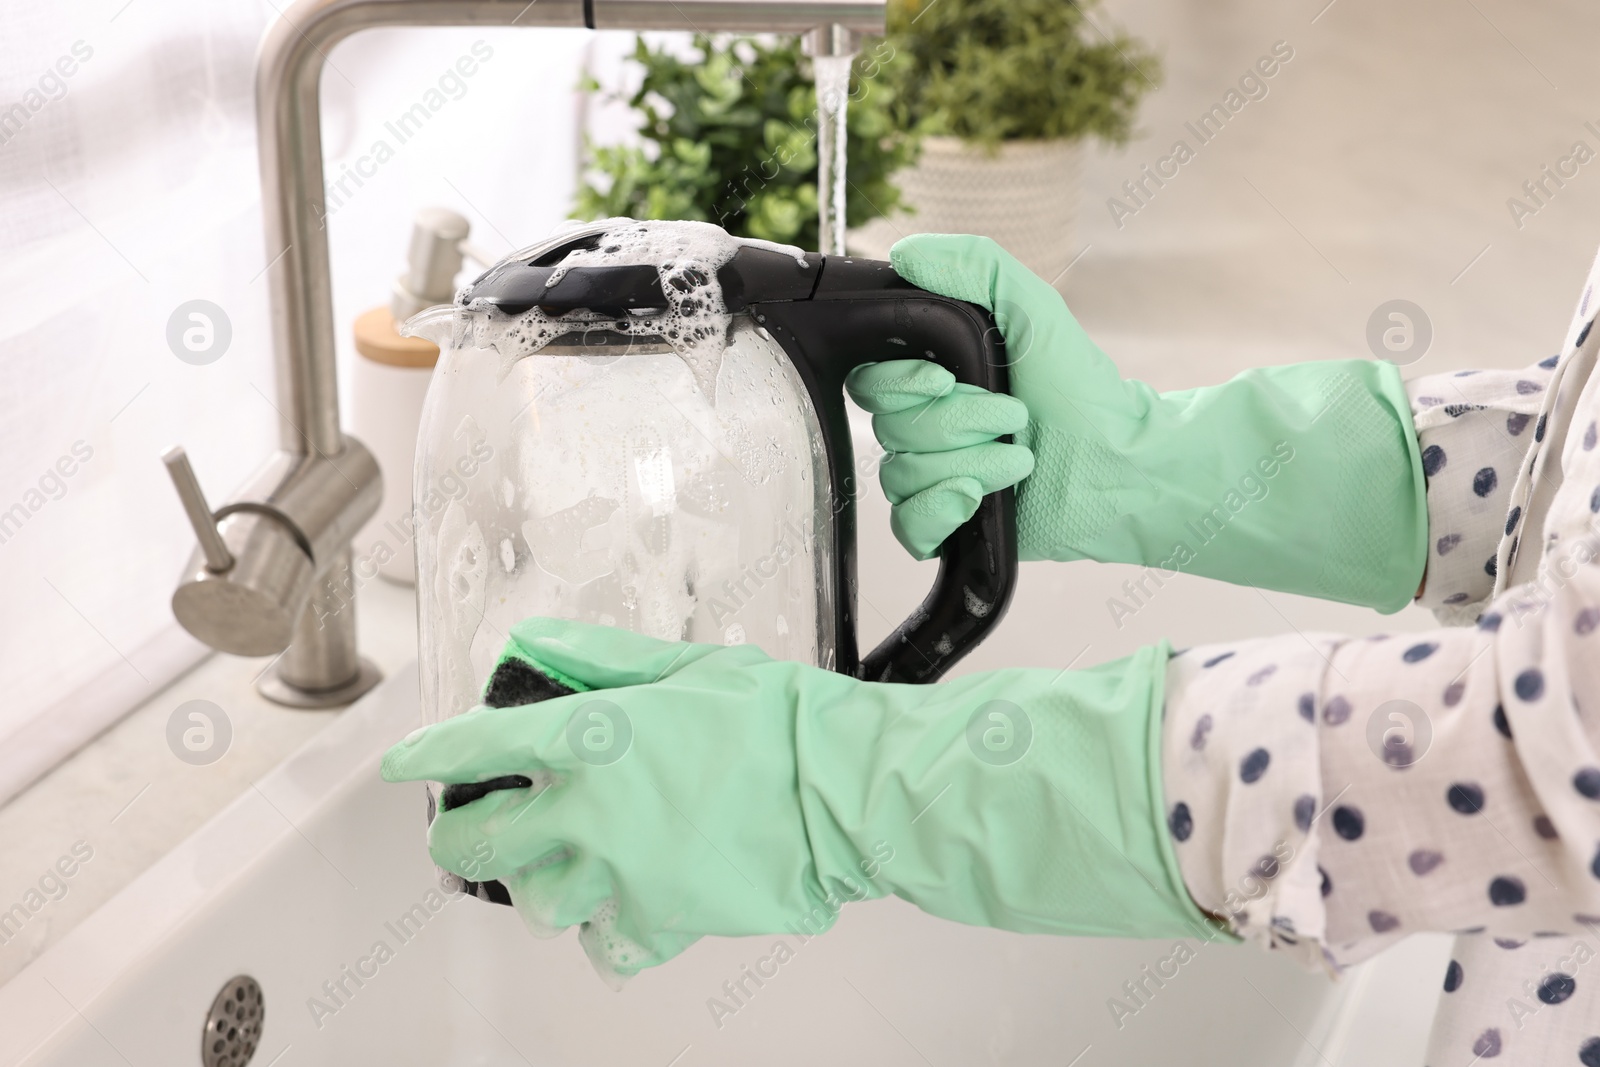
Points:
[997,70]
[729,136]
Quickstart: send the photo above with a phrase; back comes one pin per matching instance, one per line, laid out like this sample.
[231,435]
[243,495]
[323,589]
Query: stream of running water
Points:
[832,75]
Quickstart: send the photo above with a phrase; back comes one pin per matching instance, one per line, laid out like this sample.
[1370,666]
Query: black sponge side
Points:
[516,682]
[454,796]
[492,892]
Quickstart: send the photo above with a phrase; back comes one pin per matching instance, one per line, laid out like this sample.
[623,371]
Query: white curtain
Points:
[128,187]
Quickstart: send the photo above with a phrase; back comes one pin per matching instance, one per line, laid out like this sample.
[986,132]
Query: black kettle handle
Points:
[861,311]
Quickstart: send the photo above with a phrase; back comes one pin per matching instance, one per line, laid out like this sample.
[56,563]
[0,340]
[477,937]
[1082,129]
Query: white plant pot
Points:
[1024,197]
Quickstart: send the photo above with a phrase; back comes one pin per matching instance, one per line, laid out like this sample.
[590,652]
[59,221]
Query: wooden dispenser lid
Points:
[377,340]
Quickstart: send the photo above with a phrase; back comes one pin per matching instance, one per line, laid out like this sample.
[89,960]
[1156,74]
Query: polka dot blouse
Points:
[1327,796]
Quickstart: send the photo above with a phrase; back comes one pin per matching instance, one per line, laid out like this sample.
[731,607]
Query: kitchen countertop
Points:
[127,797]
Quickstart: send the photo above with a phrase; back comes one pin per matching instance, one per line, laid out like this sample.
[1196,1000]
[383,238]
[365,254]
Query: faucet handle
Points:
[218,558]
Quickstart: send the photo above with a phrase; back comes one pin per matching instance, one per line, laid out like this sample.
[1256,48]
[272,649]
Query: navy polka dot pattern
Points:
[1471,448]
[1488,1044]
[1420,652]
[1556,1012]
[1423,861]
[1557,989]
[1465,797]
[1349,823]
[1254,766]
[1381,921]
[1279,773]
[1433,460]
[1501,724]
[1180,822]
[1305,808]
[1507,890]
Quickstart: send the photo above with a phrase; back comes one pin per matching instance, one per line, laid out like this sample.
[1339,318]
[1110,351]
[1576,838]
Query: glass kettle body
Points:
[599,483]
[643,425]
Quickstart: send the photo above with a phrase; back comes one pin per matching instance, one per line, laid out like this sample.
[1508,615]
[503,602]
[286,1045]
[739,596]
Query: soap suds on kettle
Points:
[686,255]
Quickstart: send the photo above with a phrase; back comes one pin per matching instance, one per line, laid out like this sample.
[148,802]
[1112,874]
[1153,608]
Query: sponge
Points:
[514,682]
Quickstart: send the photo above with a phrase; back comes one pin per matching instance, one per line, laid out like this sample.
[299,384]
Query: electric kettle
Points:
[643,424]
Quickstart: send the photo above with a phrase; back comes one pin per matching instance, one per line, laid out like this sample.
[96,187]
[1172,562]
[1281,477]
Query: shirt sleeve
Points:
[1475,430]
[1342,793]
[1529,1000]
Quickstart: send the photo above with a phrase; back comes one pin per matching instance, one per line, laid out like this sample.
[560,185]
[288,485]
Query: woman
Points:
[1315,794]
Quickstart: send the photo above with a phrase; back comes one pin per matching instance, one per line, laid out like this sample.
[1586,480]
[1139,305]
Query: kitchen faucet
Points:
[273,570]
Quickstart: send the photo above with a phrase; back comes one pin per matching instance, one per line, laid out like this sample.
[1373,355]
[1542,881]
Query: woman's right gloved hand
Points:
[1305,478]
[691,789]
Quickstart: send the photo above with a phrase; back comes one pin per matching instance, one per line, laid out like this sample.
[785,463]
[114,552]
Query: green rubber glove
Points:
[712,790]
[1305,478]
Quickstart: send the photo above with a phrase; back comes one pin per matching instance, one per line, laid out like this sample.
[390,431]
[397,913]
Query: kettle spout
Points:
[431,324]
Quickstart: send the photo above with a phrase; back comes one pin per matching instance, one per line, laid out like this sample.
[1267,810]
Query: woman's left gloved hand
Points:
[701,789]
[1305,478]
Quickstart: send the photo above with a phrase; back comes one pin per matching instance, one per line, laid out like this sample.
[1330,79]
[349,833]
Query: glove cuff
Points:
[1028,800]
[1304,479]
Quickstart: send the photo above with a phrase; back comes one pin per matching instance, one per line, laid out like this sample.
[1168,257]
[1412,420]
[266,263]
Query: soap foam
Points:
[686,255]
[615,955]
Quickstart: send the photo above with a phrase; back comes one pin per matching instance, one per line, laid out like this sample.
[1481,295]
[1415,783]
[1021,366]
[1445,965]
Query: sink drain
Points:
[233,1026]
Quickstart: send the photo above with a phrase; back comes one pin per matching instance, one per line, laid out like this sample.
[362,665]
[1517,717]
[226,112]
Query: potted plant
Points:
[728,135]
[1004,93]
